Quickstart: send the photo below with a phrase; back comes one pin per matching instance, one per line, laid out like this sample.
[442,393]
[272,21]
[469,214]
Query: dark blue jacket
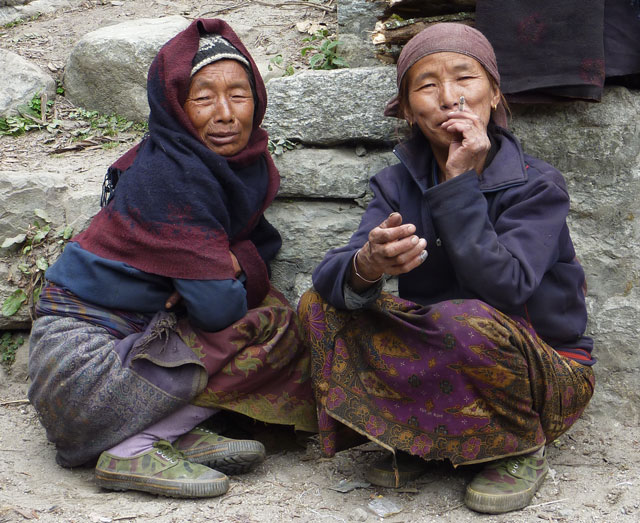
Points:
[500,237]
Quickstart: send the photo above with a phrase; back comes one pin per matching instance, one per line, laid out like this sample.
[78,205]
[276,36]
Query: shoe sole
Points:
[232,457]
[165,487]
[383,477]
[500,503]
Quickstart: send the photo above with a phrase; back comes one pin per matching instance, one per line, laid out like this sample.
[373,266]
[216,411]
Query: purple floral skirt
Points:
[457,380]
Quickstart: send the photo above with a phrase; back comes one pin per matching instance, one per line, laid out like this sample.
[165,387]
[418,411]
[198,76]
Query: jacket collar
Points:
[505,170]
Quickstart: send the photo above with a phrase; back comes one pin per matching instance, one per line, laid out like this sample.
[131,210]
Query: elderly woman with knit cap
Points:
[161,313]
[482,358]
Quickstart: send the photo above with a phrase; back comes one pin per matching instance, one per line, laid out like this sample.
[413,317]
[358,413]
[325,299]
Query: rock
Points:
[20,81]
[359,17]
[20,367]
[329,173]
[107,69]
[66,199]
[14,10]
[308,230]
[333,107]
[596,147]
[357,52]
[359,514]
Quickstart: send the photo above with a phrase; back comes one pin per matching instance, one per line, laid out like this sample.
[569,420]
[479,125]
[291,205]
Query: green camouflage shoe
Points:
[161,470]
[385,474]
[507,484]
[231,456]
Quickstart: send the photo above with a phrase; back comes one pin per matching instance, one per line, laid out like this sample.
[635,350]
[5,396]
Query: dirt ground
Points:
[595,468]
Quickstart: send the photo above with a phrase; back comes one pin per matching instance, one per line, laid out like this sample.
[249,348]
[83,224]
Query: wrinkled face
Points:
[220,106]
[435,84]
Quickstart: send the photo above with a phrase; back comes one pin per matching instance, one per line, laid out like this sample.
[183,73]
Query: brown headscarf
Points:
[454,38]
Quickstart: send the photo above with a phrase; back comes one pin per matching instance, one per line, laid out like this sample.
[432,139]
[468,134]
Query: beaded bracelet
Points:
[355,270]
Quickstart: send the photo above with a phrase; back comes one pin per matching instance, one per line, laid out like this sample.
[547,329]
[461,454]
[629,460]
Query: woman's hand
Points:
[236,265]
[470,145]
[393,249]
[172,300]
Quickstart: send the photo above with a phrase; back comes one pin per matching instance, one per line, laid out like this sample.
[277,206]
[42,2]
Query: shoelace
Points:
[168,451]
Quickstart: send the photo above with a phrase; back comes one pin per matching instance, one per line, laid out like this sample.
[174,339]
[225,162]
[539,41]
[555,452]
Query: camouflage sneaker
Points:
[161,470]
[507,484]
[384,473]
[231,456]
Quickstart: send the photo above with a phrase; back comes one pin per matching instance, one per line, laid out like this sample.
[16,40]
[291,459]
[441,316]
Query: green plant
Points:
[324,51]
[20,21]
[106,125]
[9,345]
[13,23]
[39,247]
[277,62]
[280,146]
[30,117]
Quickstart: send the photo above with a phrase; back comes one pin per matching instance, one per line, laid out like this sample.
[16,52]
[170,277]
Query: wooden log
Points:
[399,32]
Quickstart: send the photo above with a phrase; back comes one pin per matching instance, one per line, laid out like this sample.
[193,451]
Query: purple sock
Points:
[170,428]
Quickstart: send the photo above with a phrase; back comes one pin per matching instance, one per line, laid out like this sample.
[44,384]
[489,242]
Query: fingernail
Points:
[423,256]
[414,240]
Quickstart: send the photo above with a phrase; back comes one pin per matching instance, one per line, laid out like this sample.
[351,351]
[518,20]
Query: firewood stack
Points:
[403,19]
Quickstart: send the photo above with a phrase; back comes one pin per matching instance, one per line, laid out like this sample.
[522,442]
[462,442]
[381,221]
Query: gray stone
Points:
[357,51]
[20,81]
[107,69]
[332,107]
[67,200]
[359,514]
[359,17]
[14,10]
[596,147]
[20,367]
[308,230]
[329,173]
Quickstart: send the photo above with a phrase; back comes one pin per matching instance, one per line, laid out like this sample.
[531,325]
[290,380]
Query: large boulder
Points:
[329,173]
[68,199]
[332,107]
[20,82]
[107,69]
[596,147]
[358,17]
[308,230]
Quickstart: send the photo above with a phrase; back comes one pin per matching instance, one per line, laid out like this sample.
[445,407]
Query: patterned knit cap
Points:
[214,47]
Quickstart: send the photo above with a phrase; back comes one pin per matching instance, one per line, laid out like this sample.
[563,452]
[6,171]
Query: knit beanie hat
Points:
[214,47]
[448,37]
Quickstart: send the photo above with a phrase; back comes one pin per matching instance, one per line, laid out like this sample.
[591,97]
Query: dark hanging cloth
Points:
[549,50]
[622,41]
[179,208]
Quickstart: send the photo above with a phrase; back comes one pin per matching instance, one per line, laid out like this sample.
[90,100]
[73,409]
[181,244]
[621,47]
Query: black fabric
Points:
[550,51]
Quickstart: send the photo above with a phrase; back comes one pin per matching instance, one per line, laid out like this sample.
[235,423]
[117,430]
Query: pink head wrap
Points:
[454,38]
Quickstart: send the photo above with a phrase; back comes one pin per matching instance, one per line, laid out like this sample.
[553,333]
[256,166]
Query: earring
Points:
[494,106]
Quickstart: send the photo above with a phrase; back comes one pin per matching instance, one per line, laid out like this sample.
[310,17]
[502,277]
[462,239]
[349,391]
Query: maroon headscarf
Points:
[179,208]
[453,38]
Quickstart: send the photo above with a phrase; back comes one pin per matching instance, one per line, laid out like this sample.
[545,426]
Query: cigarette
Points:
[461,104]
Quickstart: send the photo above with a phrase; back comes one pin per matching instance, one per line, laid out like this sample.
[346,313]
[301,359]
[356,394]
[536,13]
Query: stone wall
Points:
[336,117]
